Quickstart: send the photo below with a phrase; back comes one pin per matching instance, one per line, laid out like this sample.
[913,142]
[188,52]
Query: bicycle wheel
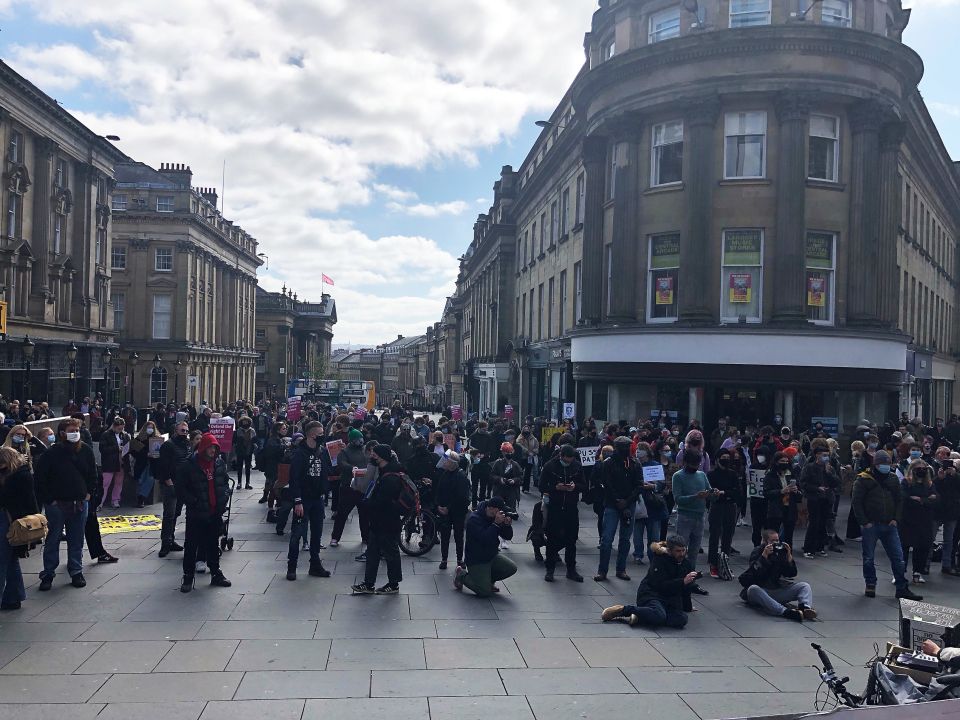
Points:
[418,534]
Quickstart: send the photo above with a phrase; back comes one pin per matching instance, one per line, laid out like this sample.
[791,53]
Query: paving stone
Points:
[204,603]
[160,687]
[119,631]
[430,683]
[550,653]
[376,628]
[618,652]
[10,650]
[861,629]
[491,653]
[770,627]
[577,681]
[729,704]
[268,685]
[92,609]
[268,607]
[41,632]
[592,628]
[126,657]
[711,652]
[353,708]
[46,711]
[795,679]
[364,654]
[152,711]
[605,707]
[253,710]
[697,679]
[480,708]
[786,652]
[488,629]
[50,658]
[281,655]
[198,656]
[257,630]
[373,607]
[51,688]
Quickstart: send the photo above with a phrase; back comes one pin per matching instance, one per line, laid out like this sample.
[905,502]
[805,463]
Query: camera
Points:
[779,547]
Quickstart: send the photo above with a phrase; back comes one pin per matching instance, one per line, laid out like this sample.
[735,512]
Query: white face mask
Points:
[51,439]
[149,431]
[761,458]
[73,436]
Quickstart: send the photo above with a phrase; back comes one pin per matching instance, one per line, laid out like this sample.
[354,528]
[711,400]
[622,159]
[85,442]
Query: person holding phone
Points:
[691,489]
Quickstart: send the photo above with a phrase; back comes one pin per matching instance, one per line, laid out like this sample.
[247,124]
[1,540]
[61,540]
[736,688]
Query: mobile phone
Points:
[698,575]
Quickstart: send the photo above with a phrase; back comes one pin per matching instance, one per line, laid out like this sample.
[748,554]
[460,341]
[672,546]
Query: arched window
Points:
[158,386]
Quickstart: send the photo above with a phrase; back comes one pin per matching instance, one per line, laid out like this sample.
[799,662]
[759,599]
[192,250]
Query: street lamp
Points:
[28,348]
[156,366]
[72,357]
[176,379]
[107,356]
[134,357]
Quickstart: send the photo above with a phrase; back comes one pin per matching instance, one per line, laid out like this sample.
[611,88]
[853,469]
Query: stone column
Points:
[863,290]
[623,302]
[594,163]
[696,240]
[793,112]
[44,151]
[891,137]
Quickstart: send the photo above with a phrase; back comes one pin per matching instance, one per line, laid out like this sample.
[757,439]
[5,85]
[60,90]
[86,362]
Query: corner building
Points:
[740,211]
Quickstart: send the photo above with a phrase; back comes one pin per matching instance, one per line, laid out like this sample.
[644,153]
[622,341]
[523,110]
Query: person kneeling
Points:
[663,598]
[764,588]
[485,565]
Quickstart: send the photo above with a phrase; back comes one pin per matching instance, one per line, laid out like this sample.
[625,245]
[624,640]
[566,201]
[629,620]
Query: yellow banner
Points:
[128,523]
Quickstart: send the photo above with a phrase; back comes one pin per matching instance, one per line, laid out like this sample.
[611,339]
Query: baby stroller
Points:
[226,541]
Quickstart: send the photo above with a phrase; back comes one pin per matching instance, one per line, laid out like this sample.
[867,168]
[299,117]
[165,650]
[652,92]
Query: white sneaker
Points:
[201,567]
[334,543]
[116,505]
[504,545]
[893,581]
[918,579]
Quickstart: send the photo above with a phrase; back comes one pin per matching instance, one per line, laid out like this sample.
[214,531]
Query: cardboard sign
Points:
[360,413]
[111,525]
[921,621]
[830,424]
[456,412]
[508,411]
[569,411]
[588,455]
[153,446]
[546,432]
[654,474]
[755,483]
[222,430]
[333,448]
[293,409]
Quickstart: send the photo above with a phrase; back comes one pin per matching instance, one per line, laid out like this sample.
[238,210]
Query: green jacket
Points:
[876,501]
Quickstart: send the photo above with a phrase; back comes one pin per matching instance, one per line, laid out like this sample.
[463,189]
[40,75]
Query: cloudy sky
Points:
[361,139]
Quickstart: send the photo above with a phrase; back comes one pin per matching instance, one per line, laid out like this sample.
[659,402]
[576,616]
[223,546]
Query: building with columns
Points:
[54,245]
[183,294]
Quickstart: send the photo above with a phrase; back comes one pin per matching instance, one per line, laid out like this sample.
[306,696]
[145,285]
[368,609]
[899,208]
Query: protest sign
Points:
[755,483]
[588,455]
[111,525]
[456,412]
[654,474]
[293,409]
[333,448]
[222,430]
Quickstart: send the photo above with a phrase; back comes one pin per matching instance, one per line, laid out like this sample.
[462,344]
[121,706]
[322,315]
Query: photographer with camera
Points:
[663,598]
[506,476]
[763,584]
[485,566]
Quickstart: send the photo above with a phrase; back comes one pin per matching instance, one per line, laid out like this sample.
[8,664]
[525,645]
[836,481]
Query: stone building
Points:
[183,292]
[54,244]
[293,340]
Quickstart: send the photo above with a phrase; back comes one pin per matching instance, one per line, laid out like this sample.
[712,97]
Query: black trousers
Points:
[723,522]
[91,532]
[172,507]
[480,481]
[383,543]
[758,516]
[455,521]
[202,536]
[815,539]
[563,527]
[243,461]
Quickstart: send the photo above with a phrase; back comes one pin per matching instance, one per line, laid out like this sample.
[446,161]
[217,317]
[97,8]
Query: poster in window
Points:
[819,251]
[816,291]
[664,287]
[742,247]
[741,287]
[664,251]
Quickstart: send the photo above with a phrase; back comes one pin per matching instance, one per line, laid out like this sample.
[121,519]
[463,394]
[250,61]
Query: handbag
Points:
[27,530]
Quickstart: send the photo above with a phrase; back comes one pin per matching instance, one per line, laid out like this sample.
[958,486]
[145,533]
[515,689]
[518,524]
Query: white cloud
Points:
[949,109]
[307,101]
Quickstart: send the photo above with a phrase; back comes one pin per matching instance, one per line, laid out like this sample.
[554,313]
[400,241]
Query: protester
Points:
[918,517]
[453,502]
[725,483]
[174,453]
[486,527]
[621,481]
[114,448]
[145,465]
[385,522]
[309,468]
[244,444]
[17,500]
[350,460]
[691,488]
[561,483]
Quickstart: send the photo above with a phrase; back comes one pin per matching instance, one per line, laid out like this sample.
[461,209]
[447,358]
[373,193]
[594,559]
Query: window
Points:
[564,211]
[745,148]
[562,315]
[824,142]
[664,25]
[523,254]
[165,203]
[742,276]
[119,203]
[744,13]
[820,276]
[162,311]
[261,334]
[554,223]
[158,386]
[612,172]
[119,302]
[57,233]
[835,12]
[530,317]
[115,380]
[163,259]
[543,230]
[540,313]
[60,174]
[15,147]
[550,287]
[13,210]
[523,317]
[664,273]
[667,153]
[577,292]
[533,242]
[609,50]
[101,244]
[581,189]
[118,257]
[609,278]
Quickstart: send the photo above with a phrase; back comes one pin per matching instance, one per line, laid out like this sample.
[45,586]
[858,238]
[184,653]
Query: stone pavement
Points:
[131,646]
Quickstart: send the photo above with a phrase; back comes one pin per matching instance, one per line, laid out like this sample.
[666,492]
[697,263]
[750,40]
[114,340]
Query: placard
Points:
[293,409]
[654,474]
[569,411]
[921,621]
[755,483]
[450,440]
[741,287]
[508,411]
[547,431]
[333,449]
[831,425]
[456,412]
[153,446]
[588,455]
[222,429]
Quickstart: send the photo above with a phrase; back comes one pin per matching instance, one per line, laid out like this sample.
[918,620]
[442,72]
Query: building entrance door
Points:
[744,406]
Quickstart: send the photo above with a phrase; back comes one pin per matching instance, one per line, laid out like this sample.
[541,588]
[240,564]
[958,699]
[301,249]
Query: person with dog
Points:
[485,566]
[764,586]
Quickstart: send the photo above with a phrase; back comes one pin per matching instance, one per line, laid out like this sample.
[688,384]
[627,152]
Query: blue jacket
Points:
[483,537]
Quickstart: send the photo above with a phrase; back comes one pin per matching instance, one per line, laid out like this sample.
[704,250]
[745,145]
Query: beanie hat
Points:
[882,456]
[790,452]
[354,434]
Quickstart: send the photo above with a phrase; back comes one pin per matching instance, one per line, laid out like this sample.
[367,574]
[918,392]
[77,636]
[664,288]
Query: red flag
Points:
[326,279]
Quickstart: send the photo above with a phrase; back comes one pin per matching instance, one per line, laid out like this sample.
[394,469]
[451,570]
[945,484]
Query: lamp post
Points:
[176,380]
[156,366]
[72,357]
[28,348]
[107,357]
[134,357]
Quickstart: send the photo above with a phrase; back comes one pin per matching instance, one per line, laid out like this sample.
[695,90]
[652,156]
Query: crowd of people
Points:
[666,494]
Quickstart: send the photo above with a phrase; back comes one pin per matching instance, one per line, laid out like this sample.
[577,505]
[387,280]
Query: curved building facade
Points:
[740,207]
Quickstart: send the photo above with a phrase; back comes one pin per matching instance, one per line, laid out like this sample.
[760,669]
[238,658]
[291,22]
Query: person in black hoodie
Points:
[485,566]
[764,586]
[385,521]
[820,483]
[309,468]
[621,480]
[174,453]
[481,447]
[782,491]
[204,485]
[453,503]
[762,462]
[663,598]
[723,507]
[17,500]
[562,482]
[66,478]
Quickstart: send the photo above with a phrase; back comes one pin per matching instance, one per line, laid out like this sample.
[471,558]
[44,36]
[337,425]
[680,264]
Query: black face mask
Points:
[723,462]
[783,468]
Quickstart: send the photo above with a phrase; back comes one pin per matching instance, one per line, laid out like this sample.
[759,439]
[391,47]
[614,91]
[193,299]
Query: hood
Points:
[659,548]
[205,442]
[695,435]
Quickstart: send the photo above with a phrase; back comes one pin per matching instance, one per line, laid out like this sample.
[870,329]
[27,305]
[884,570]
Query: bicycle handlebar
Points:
[824,658]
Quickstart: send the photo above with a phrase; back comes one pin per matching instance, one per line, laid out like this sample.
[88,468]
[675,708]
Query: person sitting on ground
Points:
[663,598]
[485,565]
[763,584]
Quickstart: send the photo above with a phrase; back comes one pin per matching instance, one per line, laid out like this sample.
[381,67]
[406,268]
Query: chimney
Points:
[178,173]
[399,337]
[210,195]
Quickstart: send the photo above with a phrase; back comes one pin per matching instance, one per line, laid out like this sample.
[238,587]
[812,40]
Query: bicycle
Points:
[418,533]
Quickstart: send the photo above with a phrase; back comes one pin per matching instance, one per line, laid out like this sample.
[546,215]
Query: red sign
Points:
[222,430]
[456,412]
[293,409]
[508,411]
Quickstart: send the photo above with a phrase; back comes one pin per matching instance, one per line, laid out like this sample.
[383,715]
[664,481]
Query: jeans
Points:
[481,577]
[383,544]
[890,539]
[723,522]
[57,520]
[949,532]
[690,528]
[145,484]
[12,590]
[613,520]
[772,600]
[201,543]
[312,520]
[117,479]
[172,507]
[455,522]
[652,528]
[653,613]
